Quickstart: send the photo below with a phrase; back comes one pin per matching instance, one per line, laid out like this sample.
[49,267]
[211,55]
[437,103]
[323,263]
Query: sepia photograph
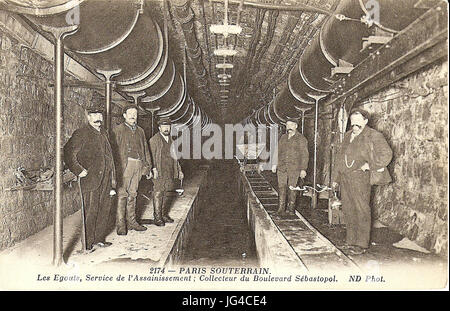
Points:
[224,145]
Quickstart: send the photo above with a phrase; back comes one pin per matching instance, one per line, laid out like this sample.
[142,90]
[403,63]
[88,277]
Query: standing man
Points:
[166,169]
[88,155]
[132,162]
[363,149]
[292,157]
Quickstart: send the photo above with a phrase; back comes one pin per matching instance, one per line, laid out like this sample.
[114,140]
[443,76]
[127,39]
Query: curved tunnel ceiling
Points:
[284,52]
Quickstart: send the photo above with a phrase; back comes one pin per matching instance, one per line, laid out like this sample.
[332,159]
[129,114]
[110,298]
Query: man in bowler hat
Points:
[89,156]
[132,158]
[166,169]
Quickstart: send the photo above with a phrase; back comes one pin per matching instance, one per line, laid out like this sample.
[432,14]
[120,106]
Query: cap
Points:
[361,111]
[289,119]
[164,121]
[95,109]
[129,106]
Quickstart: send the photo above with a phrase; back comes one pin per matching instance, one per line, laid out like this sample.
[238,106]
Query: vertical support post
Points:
[108,74]
[136,96]
[302,111]
[59,34]
[152,111]
[317,98]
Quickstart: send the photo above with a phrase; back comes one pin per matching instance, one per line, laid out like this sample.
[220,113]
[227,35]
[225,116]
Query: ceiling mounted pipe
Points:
[185,16]
[395,15]
[148,77]
[162,86]
[183,113]
[144,44]
[99,30]
[173,100]
[337,48]
[39,7]
[284,105]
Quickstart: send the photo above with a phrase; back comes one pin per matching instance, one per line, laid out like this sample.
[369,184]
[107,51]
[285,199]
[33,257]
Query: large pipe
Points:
[59,34]
[339,44]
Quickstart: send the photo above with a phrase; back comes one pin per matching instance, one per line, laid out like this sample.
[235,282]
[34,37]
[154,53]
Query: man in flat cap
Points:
[292,160]
[363,150]
[88,155]
[132,158]
[166,169]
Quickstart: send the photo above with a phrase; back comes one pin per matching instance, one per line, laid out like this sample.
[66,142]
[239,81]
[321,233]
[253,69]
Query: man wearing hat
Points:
[88,155]
[132,158]
[166,169]
[292,160]
[363,150]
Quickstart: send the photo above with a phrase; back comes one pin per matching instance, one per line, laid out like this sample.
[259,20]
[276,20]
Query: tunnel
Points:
[248,206]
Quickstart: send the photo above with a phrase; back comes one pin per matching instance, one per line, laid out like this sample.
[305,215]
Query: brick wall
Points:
[27,136]
[413,116]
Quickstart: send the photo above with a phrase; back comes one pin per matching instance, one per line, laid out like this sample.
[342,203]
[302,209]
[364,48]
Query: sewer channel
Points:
[221,235]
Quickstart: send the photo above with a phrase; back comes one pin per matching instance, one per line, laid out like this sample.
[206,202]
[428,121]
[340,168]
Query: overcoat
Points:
[90,149]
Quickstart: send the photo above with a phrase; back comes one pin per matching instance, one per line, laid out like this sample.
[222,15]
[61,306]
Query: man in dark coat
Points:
[132,158]
[88,155]
[292,160]
[363,149]
[166,169]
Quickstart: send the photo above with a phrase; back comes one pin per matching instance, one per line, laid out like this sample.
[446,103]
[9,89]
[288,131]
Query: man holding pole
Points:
[88,155]
[292,160]
[132,161]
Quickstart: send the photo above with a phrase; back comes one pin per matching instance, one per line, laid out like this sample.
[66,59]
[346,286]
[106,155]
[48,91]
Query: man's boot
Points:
[121,224]
[291,203]
[131,216]
[281,201]
[165,211]
[158,198]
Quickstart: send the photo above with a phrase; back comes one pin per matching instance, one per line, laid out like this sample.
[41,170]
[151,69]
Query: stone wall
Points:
[27,136]
[413,116]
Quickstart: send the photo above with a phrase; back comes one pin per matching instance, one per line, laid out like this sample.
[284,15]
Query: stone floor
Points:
[382,254]
[138,250]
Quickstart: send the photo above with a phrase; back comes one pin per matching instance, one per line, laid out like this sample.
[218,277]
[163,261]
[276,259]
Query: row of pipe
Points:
[122,37]
[121,43]
[336,49]
[338,43]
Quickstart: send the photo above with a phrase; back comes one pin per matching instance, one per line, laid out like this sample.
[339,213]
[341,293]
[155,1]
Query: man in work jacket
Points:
[166,169]
[132,162]
[292,161]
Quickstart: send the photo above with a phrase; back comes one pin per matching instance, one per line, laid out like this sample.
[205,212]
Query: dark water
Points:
[221,235]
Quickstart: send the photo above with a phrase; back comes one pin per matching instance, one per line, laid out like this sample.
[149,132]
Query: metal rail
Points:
[267,197]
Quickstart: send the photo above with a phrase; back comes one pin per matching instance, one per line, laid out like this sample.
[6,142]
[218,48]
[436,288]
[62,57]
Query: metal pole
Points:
[302,111]
[136,96]
[59,34]
[316,121]
[108,74]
